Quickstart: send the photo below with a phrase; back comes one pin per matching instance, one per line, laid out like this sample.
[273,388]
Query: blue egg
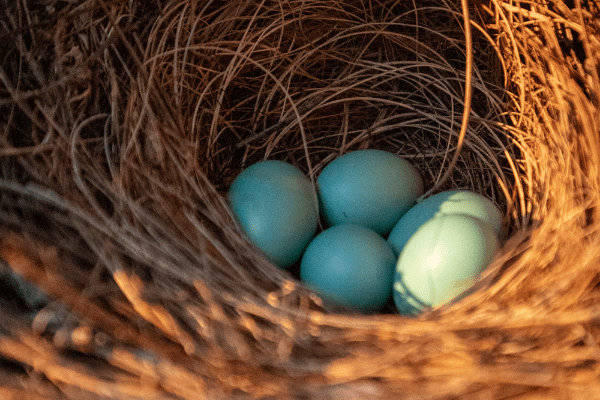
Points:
[441,261]
[452,202]
[351,265]
[373,188]
[275,205]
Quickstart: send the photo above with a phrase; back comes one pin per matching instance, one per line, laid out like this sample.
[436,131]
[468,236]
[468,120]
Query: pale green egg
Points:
[451,202]
[441,260]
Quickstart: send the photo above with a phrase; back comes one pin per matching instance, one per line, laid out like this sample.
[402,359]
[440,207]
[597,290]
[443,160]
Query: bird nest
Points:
[124,275]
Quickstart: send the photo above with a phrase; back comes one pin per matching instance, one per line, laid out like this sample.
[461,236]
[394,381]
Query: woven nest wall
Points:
[122,124]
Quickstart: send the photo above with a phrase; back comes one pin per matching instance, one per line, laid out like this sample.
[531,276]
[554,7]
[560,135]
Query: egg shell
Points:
[370,187]
[451,202]
[351,265]
[275,205]
[442,260]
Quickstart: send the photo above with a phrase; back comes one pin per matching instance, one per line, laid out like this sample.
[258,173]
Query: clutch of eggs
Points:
[434,251]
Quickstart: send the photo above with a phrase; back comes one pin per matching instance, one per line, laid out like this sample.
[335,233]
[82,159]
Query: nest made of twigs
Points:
[123,124]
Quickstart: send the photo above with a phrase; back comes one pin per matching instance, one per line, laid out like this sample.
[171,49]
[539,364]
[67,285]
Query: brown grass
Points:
[123,124]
